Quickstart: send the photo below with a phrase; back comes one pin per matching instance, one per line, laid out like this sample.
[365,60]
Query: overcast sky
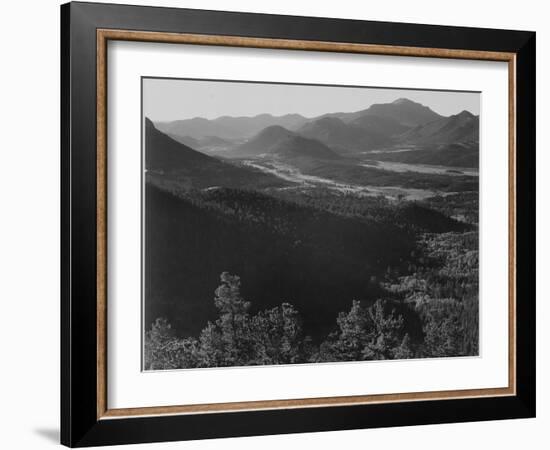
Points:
[168,99]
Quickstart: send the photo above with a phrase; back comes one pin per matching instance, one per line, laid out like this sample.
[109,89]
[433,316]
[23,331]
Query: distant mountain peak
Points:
[465,113]
[403,101]
[277,140]
[327,123]
[405,111]
[461,127]
[274,131]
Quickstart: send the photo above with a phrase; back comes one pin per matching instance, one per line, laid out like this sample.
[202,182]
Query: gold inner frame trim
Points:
[103,36]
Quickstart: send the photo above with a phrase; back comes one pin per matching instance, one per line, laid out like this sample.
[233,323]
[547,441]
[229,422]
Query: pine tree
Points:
[226,342]
[443,329]
[277,336]
[386,332]
[211,349]
[366,334]
[354,328]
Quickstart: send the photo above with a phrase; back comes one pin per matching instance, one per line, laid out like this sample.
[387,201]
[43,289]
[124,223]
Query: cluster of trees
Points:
[275,336]
[367,333]
[444,286]
[235,338]
[450,327]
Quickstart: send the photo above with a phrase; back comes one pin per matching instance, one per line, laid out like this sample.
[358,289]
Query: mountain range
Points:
[383,125]
[404,111]
[462,127]
[227,127]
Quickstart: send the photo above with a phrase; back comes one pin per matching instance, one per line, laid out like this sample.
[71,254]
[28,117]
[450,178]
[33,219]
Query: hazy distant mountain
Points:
[185,140]
[402,110]
[229,127]
[164,156]
[462,127]
[214,141]
[370,128]
[278,141]
[382,125]
[343,137]
[249,126]
[197,128]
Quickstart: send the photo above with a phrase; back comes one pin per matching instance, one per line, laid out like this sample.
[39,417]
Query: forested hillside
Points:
[280,249]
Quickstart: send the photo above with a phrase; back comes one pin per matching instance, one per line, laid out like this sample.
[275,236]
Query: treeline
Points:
[463,206]
[409,216]
[275,336]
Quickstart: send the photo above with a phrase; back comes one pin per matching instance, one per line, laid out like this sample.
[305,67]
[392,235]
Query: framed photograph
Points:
[277,224]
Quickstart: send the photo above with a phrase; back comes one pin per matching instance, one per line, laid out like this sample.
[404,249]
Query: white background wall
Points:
[29,225]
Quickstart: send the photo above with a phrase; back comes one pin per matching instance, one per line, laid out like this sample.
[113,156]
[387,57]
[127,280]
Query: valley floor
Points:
[287,172]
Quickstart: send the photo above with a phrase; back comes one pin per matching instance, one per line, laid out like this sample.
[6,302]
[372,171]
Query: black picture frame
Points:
[80,425]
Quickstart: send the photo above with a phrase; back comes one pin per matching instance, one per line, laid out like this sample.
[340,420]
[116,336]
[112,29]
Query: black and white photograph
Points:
[294,224]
